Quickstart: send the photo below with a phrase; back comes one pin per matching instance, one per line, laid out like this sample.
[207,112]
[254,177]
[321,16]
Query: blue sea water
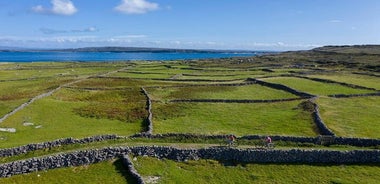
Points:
[111,56]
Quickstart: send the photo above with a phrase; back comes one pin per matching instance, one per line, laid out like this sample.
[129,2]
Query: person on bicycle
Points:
[268,141]
[231,139]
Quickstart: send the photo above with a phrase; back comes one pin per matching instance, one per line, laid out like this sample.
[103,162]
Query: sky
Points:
[193,24]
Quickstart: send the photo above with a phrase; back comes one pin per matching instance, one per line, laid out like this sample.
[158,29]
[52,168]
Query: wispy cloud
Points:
[136,6]
[335,21]
[59,7]
[86,30]
[55,31]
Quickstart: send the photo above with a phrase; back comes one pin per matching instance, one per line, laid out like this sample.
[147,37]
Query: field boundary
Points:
[295,156]
[354,95]
[335,82]
[281,87]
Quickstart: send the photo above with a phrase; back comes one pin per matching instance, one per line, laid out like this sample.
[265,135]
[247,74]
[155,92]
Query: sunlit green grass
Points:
[209,171]
[164,75]
[8,106]
[352,117]
[58,119]
[316,88]
[103,172]
[362,80]
[38,72]
[285,118]
[256,92]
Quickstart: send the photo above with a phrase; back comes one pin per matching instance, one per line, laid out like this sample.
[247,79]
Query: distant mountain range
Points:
[123,49]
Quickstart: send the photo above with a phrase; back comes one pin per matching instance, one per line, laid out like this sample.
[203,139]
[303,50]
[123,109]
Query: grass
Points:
[80,113]
[115,83]
[58,119]
[15,90]
[209,171]
[352,117]
[361,80]
[163,75]
[28,72]
[285,118]
[218,92]
[8,106]
[316,88]
[103,172]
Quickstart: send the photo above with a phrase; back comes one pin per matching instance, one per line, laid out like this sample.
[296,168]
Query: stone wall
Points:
[221,154]
[360,142]
[323,129]
[235,100]
[46,145]
[281,87]
[131,169]
[149,119]
[335,82]
[354,95]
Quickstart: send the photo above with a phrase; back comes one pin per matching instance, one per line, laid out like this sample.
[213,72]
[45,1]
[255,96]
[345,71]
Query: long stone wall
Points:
[335,82]
[360,142]
[202,85]
[281,87]
[56,143]
[323,129]
[235,100]
[354,95]
[85,157]
[149,119]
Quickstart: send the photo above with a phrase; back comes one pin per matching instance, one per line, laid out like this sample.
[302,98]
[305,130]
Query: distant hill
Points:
[142,49]
[124,49]
[347,49]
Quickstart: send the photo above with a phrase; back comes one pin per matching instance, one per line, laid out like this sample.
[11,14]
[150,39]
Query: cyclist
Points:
[268,142]
[231,139]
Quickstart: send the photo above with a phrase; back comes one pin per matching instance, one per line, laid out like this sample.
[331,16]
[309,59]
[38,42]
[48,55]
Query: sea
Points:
[115,56]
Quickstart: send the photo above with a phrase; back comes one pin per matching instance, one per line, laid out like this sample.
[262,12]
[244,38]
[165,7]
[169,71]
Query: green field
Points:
[57,119]
[285,118]
[361,80]
[108,99]
[354,117]
[209,171]
[103,172]
[256,92]
[316,88]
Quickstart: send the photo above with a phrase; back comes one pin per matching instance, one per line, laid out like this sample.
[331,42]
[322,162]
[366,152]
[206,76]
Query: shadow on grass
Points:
[121,169]
[145,125]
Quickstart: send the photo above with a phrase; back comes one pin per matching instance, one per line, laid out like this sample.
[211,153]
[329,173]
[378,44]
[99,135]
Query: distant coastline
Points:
[127,49]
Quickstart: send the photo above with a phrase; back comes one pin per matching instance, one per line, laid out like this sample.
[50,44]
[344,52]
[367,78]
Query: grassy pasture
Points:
[362,80]
[121,83]
[285,118]
[144,75]
[316,88]
[352,117]
[15,93]
[60,119]
[103,172]
[218,92]
[209,171]
[52,72]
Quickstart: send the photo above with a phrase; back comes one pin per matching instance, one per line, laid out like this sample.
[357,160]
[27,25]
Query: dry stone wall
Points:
[281,87]
[85,157]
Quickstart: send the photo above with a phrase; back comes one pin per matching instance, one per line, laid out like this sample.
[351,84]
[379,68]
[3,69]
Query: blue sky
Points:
[199,24]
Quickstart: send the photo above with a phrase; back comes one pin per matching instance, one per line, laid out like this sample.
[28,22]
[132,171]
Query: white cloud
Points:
[55,31]
[60,7]
[136,6]
[335,21]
